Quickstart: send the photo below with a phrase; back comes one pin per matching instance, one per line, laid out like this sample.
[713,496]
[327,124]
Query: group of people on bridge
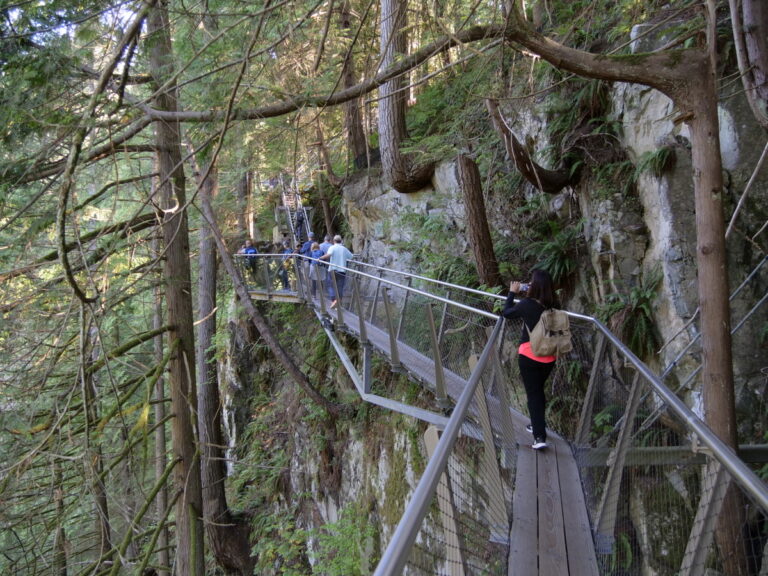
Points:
[325,263]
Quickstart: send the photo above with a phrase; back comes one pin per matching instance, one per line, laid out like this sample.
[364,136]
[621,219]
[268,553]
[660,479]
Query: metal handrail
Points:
[720,451]
[406,531]
[396,555]
[434,281]
[410,289]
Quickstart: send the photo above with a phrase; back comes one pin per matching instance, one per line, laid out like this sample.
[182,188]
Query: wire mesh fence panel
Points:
[269,273]
[462,335]
[414,327]
[658,504]
[467,528]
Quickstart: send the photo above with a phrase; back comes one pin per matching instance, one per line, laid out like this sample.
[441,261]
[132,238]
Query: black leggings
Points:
[534,375]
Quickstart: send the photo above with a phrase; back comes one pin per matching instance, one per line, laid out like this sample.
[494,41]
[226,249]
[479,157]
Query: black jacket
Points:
[528,309]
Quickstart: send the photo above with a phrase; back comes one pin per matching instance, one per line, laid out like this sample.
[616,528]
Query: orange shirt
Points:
[525,350]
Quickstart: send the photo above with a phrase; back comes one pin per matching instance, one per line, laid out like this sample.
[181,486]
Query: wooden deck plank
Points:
[276,296]
[552,552]
[579,544]
[550,533]
[523,538]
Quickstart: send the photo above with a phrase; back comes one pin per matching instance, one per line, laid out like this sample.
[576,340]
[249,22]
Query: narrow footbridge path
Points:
[632,481]
[548,507]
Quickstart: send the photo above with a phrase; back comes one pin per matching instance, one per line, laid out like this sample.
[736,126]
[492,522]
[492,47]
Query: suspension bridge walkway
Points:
[632,482]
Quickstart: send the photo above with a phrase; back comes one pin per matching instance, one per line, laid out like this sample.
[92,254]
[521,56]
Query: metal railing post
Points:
[609,501]
[339,304]
[359,307]
[507,428]
[442,396]
[393,352]
[585,420]
[367,347]
[443,316]
[267,283]
[302,277]
[321,287]
[453,559]
[402,311]
[376,297]
[497,512]
[715,483]
[367,359]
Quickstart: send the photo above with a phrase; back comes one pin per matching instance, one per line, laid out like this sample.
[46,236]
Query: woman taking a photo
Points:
[534,370]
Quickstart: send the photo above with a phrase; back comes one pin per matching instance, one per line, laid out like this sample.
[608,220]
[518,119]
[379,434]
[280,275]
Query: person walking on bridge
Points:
[286,261]
[338,256]
[534,370]
[324,246]
[250,251]
[316,268]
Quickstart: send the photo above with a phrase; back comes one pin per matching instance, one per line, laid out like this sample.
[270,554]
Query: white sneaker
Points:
[529,428]
[539,444]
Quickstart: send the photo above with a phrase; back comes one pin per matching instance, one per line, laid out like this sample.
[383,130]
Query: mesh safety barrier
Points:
[663,495]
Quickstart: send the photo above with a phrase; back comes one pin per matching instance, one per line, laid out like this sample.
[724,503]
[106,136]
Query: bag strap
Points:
[542,312]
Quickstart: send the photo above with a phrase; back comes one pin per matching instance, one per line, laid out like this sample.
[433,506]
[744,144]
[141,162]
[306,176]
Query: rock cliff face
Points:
[626,236]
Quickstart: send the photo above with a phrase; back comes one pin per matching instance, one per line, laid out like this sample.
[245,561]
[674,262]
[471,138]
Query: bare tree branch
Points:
[549,181]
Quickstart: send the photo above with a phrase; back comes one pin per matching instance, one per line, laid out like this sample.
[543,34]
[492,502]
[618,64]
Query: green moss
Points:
[347,547]
[396,489]
[633,59]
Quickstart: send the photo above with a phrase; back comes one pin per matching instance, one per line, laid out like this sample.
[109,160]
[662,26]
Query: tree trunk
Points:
[241,191]
[325,204]
[161,461]
[353,123]
[549,181]
[397,167]
[228,538]
[189,527]
[715,325]
[331,181]
[94,459]
[325,157]
[468,176]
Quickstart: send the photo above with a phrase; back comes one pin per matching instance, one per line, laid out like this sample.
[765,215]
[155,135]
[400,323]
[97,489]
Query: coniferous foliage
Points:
[109,113]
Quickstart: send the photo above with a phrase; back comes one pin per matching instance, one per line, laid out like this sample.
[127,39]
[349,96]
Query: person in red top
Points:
[534,370]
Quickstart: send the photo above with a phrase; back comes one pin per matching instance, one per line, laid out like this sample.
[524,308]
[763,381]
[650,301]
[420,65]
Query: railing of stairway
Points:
[665,496]
[296,216]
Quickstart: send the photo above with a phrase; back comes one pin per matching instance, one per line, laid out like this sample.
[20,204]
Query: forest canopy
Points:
[128,127]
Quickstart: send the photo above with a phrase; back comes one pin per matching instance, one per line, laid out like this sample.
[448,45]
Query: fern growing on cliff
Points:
[557,251]
[630,315]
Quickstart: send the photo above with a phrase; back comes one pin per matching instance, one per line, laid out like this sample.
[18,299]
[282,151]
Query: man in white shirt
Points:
[338,255]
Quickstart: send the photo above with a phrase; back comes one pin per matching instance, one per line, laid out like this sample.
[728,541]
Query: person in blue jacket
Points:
[316,268]
[250,251]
